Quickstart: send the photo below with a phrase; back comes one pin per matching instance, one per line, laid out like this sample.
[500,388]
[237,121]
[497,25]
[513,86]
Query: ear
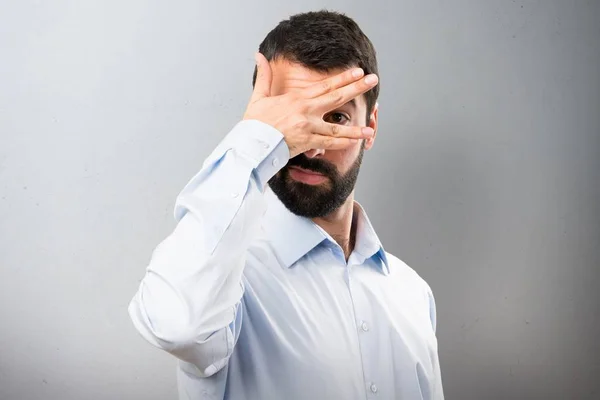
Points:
[373,118]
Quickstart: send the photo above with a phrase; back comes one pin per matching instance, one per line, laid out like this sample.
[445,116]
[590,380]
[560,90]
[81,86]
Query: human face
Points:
[316,183]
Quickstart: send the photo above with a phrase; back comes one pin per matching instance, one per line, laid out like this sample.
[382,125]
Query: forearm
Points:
[193,282]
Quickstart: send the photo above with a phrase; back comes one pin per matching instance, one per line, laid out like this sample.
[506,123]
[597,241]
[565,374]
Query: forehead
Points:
[289,76]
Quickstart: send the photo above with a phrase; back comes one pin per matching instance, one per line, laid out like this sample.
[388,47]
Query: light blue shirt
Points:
[258,303]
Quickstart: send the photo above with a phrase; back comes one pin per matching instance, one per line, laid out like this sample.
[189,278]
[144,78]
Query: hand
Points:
[299,115]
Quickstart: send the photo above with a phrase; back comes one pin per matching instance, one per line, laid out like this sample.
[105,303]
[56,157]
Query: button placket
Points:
[365,323]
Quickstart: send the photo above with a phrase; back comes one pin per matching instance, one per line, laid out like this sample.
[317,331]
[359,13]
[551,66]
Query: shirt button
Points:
[275,162]
[364,326]
[373,388]
[266,145]
[234,195]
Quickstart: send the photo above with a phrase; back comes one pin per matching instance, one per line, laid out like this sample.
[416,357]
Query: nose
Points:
[312,153]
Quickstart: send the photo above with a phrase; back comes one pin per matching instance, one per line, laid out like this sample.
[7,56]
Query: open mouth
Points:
[306,176]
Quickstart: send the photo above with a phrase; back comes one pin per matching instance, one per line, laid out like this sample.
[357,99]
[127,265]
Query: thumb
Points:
[262,86]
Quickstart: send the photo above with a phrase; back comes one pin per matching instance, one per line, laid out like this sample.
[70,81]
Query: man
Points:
[274,284]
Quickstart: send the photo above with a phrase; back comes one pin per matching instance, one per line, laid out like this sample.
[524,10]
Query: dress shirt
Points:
[258,303]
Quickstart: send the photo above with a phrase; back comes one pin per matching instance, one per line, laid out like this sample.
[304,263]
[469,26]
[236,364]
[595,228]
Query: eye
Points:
[337,118]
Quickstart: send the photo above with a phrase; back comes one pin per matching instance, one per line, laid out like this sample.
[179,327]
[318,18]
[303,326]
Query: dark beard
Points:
[315,201]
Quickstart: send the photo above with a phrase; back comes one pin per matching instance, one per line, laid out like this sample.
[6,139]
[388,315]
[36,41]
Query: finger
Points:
[334,82]
[262,85]
[337,98]
[331,143]
[335,130]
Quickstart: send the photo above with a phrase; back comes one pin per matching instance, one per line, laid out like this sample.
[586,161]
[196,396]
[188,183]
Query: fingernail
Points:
[371,79]
[357,73]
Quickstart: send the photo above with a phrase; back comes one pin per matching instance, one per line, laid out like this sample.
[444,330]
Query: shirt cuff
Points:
[261,144]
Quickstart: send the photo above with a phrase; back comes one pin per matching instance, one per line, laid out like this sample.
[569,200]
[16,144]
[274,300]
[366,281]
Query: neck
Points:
[341,225]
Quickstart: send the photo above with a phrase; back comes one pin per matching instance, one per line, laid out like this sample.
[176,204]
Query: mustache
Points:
[313,164]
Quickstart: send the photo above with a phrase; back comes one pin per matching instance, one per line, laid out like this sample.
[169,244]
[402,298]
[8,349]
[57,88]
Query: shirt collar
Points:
[367,242]
[293,236]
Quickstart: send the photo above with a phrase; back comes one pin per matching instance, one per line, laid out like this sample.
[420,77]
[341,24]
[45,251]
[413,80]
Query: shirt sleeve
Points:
[438,388]
[187,301]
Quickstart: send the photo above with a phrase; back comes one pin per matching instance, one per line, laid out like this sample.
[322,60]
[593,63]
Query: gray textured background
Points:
[485,178]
